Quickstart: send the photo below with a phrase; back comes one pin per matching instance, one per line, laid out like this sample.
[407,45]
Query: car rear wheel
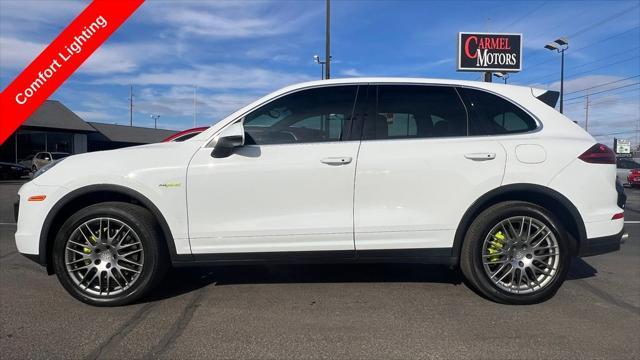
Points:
[109,254]
[516,253]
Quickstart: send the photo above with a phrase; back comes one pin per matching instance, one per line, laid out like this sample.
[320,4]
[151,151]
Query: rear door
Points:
[417,170]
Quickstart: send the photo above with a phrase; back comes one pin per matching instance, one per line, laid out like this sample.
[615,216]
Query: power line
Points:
[573,75]
[603,91]
[603,21]
[586,46]
[618,132]
[607,83]
[603,100]
[607,57]
[524,16]
[607,38]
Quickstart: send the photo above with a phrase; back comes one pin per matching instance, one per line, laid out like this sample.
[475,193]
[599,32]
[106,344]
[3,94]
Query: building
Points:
[53,127]
[111,136]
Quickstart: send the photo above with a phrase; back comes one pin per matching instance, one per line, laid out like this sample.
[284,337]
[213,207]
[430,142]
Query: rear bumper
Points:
[601,245]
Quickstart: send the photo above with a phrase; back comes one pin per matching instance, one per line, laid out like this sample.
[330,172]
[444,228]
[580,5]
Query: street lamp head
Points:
[499,74]
[551,46]
[316,58]
[562,41]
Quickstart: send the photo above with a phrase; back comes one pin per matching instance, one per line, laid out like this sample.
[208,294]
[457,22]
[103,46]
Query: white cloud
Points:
[222,76]
[123,58]
[351,72]
[108,59]
[31,16]
[97,116]
[17,54]
[178,101]
[232,19]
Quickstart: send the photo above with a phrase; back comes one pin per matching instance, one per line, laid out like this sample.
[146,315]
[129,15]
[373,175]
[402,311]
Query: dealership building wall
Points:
[55,128]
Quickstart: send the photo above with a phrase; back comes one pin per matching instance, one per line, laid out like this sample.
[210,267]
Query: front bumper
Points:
[30,216]
[601,245]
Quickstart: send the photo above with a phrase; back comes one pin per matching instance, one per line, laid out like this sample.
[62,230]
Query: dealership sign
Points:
[622,146]
[489,52]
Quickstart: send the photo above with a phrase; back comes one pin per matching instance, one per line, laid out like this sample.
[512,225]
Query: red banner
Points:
[60,59]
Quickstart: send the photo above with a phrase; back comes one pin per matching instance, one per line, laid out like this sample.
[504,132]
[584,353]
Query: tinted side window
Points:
[493,115]
[416,111]
[315,115]
[627,164]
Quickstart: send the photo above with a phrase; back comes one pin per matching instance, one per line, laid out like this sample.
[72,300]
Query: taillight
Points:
[598,154]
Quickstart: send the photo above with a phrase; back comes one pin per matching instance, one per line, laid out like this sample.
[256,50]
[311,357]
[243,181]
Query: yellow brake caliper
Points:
[496,246]
[93,239]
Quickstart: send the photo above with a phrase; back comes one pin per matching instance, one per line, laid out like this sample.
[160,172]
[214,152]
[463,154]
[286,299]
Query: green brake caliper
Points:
[496,246]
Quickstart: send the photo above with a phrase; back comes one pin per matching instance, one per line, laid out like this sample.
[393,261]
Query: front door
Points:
[290,188]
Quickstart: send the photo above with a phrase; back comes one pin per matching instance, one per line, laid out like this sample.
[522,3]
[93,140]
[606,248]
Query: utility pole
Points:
[562,82]
[130,105]
[586,115]
[487,74]
[195,104]
[327,57]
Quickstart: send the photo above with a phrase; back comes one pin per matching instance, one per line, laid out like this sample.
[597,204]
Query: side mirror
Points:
[231,137]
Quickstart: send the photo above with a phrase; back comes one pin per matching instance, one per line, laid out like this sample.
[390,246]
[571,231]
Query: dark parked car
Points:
[12,171]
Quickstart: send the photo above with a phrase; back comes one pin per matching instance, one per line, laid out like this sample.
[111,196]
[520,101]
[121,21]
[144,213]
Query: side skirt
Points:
[441,256]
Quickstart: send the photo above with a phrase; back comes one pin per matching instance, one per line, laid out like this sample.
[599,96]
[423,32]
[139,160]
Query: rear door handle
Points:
[338,160]
[482,156]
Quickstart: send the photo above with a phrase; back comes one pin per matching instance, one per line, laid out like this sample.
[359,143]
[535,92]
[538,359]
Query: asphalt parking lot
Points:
[323,311]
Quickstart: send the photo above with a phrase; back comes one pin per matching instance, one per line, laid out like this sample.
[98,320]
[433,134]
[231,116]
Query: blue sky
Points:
[236,51]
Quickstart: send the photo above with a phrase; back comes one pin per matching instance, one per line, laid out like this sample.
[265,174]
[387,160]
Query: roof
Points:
[131,134]
[52,114]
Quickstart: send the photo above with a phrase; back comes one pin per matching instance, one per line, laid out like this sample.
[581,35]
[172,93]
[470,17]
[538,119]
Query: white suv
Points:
[485,176]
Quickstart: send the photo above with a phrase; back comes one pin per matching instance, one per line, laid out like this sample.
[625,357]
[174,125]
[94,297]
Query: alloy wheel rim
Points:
[521,255]
[104,256]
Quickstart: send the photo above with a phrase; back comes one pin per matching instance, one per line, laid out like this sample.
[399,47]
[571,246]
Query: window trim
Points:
[539,124]
[456,86]
[211,142]
[373,104]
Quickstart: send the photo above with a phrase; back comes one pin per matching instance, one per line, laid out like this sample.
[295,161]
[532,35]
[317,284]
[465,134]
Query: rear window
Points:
[416,111]
[492,115]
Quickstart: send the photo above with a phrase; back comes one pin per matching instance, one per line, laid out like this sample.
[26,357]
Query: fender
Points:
[505,193]
[44,247]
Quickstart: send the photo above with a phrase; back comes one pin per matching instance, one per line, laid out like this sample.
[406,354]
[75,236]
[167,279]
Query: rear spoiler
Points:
[548,97]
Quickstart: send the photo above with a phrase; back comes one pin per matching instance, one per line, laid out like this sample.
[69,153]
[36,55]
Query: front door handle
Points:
[482,156]
[338,160]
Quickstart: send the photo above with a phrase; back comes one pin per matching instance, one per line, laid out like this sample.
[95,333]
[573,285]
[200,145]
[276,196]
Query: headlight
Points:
[46,168]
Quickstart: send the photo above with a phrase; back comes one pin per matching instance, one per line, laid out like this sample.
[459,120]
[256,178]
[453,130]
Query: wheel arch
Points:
[90,195]
[540,195]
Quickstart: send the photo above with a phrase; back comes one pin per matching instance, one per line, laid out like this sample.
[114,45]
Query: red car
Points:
[186,134]
[634,177]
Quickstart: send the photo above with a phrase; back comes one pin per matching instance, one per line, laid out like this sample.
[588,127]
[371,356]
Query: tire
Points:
[89,243]
[485,251]
[33,168]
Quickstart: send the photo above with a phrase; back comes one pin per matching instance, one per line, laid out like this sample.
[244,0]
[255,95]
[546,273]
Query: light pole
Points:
[327,54]
[316,59]
[155,120]
[502,75]
[560,45]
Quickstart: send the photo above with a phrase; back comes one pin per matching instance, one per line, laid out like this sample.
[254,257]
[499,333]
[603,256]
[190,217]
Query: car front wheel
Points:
[109,254]
[516,253]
